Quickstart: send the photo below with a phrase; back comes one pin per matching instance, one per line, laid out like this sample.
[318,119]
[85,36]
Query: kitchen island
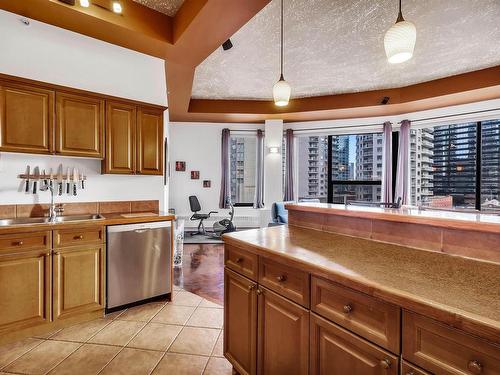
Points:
[307,301]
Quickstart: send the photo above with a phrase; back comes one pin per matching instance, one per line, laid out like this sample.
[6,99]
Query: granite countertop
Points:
[108,219]
[459,291]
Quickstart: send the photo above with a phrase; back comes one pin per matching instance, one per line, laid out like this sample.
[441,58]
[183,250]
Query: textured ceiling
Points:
[336,46]
[169,7]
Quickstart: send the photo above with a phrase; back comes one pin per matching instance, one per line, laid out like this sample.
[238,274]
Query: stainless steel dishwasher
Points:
[139,262]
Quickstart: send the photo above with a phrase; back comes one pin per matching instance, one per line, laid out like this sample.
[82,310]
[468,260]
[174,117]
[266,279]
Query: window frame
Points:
[332,182]
[237,135]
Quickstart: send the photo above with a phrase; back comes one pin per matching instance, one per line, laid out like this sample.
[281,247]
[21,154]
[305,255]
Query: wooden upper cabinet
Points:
[283,336]
[120,138]
[80,125]
[26,118]
[149,141]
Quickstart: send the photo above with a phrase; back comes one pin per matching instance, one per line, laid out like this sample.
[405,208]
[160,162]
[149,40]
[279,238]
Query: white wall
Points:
[199,145]
[47,53]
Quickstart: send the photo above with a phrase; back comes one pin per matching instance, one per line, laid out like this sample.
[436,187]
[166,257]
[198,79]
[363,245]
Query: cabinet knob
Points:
[259,292]
[410,373]
[281,278]
[19,243]
[347,308]
[475,367]
[80,237]
[385,363]
[239,260]
[251,287]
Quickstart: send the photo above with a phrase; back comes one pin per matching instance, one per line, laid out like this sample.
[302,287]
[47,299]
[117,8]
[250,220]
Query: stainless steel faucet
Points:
[54,209]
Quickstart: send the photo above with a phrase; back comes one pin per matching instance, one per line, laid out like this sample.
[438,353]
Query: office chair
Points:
[195,208]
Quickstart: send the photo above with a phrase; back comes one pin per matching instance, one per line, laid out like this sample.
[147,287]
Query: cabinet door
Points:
[149,141]
[336,351]
[240,322]
[120,138]
[24,289]
[78,280]
[26,118]
[283,332]
[80,125]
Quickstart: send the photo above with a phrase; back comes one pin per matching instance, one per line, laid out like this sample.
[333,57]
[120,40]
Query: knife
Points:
[75,180]
[27,180]
[82,180]
[36,178]
[51,178]
[67,181]
[44,173]
[60,179]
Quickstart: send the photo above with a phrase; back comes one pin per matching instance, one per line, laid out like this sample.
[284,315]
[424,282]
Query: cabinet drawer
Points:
[241,261]
[409,369]
[287,281]
[78,236]
[445,350]
[24,241]
[374,319]
[336,351]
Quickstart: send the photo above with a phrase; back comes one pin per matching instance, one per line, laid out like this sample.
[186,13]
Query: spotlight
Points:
[385,100]
[117,7]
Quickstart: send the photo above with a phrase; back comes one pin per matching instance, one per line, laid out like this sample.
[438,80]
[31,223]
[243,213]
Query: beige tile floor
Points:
[182,337]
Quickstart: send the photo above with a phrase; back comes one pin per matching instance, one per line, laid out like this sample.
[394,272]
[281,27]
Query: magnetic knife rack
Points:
[55,177]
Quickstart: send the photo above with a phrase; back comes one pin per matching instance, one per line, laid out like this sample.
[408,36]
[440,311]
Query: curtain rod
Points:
[336,128]
[455,115]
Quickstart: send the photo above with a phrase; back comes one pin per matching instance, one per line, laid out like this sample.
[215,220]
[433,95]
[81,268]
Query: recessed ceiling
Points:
[168,7]
[336,46]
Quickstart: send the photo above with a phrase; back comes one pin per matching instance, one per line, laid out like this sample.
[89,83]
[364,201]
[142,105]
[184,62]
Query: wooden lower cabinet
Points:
[336,351]
[79,277]
[29,305]
[283,335]
[240,322]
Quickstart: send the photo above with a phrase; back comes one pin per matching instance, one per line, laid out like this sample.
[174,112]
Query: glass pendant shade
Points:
[281,92]
[399,42]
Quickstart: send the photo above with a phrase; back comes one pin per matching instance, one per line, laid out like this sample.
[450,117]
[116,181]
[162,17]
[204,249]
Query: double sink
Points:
[46,220]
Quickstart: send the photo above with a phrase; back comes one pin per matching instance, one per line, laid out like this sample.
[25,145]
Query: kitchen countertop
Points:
[440,218]
[108,219]
[459,291]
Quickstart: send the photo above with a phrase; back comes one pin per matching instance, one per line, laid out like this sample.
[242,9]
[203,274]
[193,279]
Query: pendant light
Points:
[281,89]
[399,40]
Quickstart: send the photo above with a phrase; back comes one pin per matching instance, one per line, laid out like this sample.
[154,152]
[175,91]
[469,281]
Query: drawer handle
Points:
[259,292]
[475,367]
[80,237]
[251,287]
[385,363]
[410,373]
[347,309]
[18,243]
[239,260]
[281,278]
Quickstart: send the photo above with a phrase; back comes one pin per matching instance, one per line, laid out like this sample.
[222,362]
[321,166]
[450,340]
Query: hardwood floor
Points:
[202,271]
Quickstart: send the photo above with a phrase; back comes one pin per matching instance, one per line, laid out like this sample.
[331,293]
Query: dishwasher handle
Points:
[142,230]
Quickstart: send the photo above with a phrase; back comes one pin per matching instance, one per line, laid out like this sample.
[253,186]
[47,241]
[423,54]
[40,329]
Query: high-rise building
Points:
[242,160]
[313,161]
[369,166]
[421,169]
[454,163]
[490,161]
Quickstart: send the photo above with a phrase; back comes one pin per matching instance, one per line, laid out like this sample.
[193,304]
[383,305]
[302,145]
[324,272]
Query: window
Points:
[458,166]
[312,159]
[355,174]
[243,157]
